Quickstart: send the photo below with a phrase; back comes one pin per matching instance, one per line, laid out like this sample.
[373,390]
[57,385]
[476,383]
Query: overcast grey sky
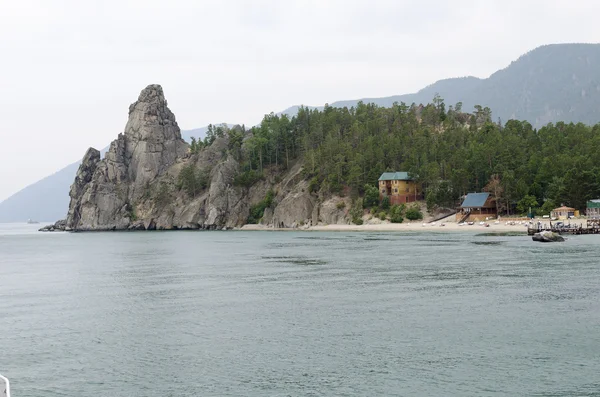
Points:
[70,68]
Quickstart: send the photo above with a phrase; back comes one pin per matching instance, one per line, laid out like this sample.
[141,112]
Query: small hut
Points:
[564,213]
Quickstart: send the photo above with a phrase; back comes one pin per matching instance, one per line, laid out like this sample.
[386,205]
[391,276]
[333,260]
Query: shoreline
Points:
[398,227]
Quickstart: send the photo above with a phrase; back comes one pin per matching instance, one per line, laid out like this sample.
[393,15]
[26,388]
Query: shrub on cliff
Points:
[257,211]
[248,178]
[192,180]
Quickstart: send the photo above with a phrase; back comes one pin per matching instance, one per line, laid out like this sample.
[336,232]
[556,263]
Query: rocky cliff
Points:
[138,183]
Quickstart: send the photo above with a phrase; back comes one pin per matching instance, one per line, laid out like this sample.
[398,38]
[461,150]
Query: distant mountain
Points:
[48,200]
[558,82]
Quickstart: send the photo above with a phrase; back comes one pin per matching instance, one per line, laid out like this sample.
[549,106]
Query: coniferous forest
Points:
[451,152]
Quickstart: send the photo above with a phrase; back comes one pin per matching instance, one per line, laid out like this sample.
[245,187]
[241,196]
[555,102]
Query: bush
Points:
[340,205]
[356,212]
[382,215]
[248,178]
[385,203]
[163,194]
[396,213]
[371,196]
[414,213]
[314,185]
[257,211]
[192,180]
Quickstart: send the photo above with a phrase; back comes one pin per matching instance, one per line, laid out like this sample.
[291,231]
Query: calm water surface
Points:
[298,314]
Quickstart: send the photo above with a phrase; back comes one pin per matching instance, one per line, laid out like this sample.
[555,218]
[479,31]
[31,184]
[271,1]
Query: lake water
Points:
[298,314]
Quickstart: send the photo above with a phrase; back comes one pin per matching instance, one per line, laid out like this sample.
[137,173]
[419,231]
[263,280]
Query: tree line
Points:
[449,151]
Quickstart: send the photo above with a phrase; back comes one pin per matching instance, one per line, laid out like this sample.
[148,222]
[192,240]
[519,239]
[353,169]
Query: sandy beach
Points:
[406,227]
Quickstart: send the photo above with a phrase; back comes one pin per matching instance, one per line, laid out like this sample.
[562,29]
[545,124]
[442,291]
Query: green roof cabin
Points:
[400,187]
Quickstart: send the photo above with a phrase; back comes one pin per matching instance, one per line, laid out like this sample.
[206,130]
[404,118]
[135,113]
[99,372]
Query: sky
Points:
[69,68]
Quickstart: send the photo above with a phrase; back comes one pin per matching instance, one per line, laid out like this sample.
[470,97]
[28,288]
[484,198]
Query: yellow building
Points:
[564,213]
[399,187]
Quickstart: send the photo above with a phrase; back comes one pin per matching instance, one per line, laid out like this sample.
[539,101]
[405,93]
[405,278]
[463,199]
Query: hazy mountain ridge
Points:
[558,82]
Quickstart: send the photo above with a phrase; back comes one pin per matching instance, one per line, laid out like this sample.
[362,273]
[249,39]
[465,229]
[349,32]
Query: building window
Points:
[383,191]
[395,190]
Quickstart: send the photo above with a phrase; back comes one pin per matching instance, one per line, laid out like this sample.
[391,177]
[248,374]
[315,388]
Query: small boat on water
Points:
[4,387]
[31,222]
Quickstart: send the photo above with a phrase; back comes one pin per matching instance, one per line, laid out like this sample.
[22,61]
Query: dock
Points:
[592,227]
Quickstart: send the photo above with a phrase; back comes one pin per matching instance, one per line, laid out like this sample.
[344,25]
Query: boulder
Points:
[548,237]
[59,226]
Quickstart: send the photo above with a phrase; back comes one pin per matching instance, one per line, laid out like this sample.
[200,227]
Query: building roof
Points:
[563,208]
[475,200]
[395,176]
[593,203]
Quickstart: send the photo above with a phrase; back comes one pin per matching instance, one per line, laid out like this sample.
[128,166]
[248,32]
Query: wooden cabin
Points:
[477,207]
[400,187]
[564,213]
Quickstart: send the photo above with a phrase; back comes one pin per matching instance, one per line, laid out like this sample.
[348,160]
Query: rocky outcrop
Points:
[105,191]
[334,211]
[59,226]
[296,208]
[139,184]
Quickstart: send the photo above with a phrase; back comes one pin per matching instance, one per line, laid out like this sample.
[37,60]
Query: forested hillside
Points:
[451,152]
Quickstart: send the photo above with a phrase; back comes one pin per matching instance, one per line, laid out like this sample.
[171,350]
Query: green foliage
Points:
[340,205]
[192,180]
[214,132]
[248,178]
[397,212]
[195,146]
[163,194]
[526,203]
[356,212]
[314,185]
[371,197]
[382,215]
[547,207]
[414,213]
[257,211]
[131,213]
[452,152]
[385,203]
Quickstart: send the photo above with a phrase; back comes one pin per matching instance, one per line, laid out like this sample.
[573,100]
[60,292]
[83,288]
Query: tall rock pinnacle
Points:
[149,145]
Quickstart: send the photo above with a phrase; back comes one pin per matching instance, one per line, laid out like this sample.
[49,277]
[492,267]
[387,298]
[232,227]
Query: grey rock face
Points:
[295,208]
[105,191]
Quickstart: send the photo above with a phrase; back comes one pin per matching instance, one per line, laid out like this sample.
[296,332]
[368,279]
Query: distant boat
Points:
[31,222]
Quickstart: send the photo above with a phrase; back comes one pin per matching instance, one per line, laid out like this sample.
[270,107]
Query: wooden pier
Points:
[592,227]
